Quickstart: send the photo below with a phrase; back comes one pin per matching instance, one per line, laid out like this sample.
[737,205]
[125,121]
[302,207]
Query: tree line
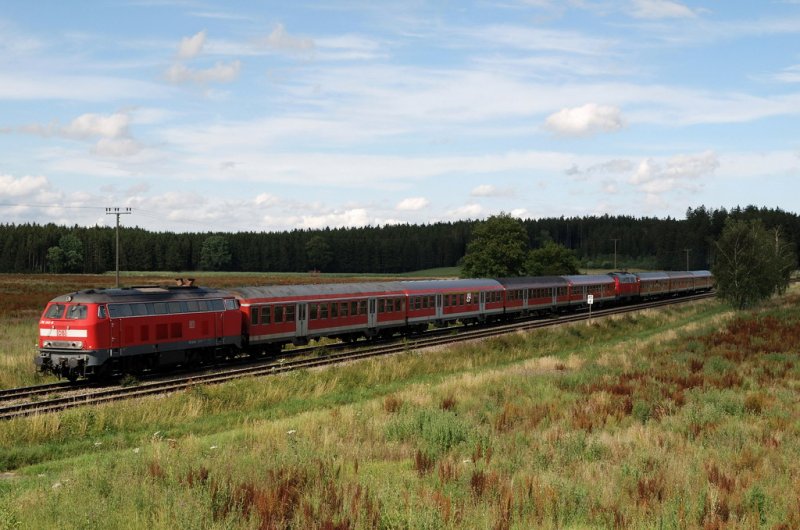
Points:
[645,242]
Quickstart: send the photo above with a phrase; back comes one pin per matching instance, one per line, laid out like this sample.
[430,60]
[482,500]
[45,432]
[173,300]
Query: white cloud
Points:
[520,213]
[219,73]
[538,39]
[586,120]
[790,74]
[191,46]
[413,204]
[23,186]
[89,125]
[484,190]
[468,211]
[337,219]
[680,172]
[266,199]
[117,147]
[280,39]
[656,9]
[677,167]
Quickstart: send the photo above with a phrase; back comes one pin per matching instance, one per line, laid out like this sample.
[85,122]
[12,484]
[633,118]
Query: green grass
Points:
[681,418]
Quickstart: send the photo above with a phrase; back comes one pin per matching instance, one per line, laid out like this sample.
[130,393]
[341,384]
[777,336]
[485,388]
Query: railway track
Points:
[20,402]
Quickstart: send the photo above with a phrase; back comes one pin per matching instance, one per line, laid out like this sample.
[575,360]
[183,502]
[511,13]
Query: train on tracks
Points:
[99,333]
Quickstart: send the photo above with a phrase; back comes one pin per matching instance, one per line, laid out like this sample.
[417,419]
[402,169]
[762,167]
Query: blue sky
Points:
[242,115]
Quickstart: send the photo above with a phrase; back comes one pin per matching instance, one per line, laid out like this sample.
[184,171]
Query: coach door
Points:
[301,323]
[372,313]
[482,303]
[439,306]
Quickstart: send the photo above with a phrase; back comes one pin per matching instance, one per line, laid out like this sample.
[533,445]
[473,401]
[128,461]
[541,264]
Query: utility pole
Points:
[615,239]
[118,212]
[687,250]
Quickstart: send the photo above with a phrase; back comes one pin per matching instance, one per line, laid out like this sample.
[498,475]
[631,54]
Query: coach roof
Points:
[323,290]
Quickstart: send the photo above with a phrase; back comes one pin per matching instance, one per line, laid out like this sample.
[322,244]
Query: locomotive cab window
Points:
[254,316]
[55,311]
[77,312]
[101,311]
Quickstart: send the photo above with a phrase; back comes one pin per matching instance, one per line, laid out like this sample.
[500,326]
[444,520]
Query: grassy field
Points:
[680,418]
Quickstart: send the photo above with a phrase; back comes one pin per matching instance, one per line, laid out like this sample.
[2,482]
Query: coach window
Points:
[323,310]
[266,315]
[362,307]
[254,315]
[334,310]
[290,313]
[312,311]
[343,309]
[381,306]
[278,314]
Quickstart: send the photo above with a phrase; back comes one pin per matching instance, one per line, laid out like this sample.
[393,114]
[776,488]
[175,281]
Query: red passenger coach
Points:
[653,284]
[534,293]
[703,280]
[680,281]
[600,286]
[101,332]
[442,301]
[282,314]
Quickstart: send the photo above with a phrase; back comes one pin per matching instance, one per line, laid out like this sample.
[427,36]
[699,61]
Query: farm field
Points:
[680,418]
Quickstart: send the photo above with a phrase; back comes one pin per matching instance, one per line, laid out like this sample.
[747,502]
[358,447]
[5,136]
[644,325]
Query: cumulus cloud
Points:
[678,172]
[339,219]
[413,204]
[192,46]
[84,126]
[656,9]
[468,211]
[112,130]
[586,120]
[679,167]
[280,39]
[92,125]
[21,187]
[220,73]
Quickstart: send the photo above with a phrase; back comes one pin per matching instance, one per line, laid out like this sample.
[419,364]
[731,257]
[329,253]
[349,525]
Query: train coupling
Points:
[68,366]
